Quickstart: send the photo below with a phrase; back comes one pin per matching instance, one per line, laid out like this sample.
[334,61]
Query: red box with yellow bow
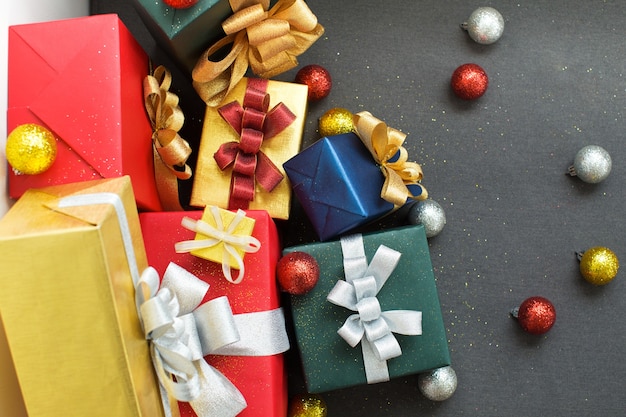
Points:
[244,145]
[260,379]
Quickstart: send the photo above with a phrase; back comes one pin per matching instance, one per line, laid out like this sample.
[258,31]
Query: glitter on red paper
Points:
[317,78]
[297,273]
[536,315]
[469,81]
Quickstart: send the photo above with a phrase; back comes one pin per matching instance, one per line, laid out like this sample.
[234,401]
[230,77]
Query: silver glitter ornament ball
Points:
[438,384]
[429,214]
[485,25]
[592,164]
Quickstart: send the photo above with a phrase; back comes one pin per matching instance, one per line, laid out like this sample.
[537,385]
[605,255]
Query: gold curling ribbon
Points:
[385,143]
[170,150]
[267,41]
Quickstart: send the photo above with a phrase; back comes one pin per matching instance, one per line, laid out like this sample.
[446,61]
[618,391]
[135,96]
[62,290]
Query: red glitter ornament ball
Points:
[536,315]
[317,78]
[180,4]
[297,273]
[469,81]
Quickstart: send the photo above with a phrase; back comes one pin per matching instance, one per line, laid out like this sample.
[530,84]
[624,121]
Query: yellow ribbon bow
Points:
[170,150]
[266,40]
[385,145]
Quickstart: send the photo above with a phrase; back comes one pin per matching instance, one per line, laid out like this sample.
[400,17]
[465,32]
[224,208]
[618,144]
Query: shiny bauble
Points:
[307,405]
[485,25]
[592,164]
[318,79]
[438,384]
[469,81]
[180,4]
[598,265]
[336,121]
[429,214]
[297,273]
[536,315]
[31,149]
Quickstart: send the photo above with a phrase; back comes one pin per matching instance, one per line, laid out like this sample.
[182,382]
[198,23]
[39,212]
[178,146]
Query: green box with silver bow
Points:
[386,306]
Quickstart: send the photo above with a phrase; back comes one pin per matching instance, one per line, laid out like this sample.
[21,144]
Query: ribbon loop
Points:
[170,150]
[371,326]
[266,40]
[385,145]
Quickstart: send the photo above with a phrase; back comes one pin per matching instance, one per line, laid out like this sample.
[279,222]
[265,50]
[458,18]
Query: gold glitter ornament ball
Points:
[598,265]
[307,405]
[31,149]
[335,121]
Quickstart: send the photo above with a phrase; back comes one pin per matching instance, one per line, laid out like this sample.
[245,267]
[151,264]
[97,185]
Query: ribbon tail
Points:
[394,190]
[219,397]
[375,370]
[267,174]
[167,185]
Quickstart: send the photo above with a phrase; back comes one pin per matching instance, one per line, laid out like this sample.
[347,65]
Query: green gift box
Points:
[329,361]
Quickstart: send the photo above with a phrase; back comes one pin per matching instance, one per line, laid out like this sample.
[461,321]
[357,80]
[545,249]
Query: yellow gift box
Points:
[212,186]
[68,307]
[11,402]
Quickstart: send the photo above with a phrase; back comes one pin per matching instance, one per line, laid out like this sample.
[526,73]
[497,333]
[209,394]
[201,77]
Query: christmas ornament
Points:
[31,149]
[485,25]
[335,122]
[536,315]
[180,4]
[469,81]
[297,273]
[592,164]
[438,384]
[308,405]
[429,214]
[317,78]
[598,265]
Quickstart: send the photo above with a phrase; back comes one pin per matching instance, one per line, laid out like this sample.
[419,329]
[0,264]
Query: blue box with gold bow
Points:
[374,314]
[345,181]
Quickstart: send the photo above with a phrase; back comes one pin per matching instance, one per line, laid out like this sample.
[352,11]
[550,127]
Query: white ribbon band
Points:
[371,326]
[219,234]
[182,332]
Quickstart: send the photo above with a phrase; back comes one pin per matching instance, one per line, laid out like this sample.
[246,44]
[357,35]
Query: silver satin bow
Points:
[370,325]
[181,333]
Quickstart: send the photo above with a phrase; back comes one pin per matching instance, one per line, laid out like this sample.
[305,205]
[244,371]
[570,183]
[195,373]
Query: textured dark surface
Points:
[497,166]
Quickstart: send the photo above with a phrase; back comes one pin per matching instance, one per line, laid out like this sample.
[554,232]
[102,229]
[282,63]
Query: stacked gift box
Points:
[164,302]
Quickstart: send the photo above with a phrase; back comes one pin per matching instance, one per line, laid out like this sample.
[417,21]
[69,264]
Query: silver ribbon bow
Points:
[221,234]
[182,332]
[371,326]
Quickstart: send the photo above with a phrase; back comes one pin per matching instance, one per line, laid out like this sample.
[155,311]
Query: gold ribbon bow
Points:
[266,40]
[385,145]
[170,150]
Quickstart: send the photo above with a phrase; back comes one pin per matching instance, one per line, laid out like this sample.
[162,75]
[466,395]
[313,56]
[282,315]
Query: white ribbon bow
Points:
[181,333]
[371,326]
[220,234]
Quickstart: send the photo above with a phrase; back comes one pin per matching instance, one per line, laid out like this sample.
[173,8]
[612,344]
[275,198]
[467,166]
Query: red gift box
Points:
[82,79]
[261,380]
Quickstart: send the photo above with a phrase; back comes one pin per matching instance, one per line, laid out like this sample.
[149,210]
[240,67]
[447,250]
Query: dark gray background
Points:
[497,166]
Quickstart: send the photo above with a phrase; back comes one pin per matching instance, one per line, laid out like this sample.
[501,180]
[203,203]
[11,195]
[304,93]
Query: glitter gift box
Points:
[67,302]
[338,185]
[262,379]
[212,185]
[86,88]
[184,33]
[329,362]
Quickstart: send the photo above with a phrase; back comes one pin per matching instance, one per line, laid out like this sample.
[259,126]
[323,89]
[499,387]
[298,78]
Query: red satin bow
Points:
[254,124]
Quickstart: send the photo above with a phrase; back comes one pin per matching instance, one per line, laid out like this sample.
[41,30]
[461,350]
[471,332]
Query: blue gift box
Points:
[338,184]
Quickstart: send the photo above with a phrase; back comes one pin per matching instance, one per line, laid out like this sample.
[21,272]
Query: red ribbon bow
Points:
[254,124]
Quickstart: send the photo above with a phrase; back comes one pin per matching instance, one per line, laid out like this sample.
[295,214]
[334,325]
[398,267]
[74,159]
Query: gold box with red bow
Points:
[67,301]
[260,379]
[82,79]
[244,145]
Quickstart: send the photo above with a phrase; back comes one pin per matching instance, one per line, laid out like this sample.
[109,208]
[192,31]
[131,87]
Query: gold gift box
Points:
[68,307]
[212,186]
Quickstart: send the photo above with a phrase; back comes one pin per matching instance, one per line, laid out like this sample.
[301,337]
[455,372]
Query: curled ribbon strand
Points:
[170,150]
[255,124]
[267,41]
[385,145]
[371,326]
[225,235]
